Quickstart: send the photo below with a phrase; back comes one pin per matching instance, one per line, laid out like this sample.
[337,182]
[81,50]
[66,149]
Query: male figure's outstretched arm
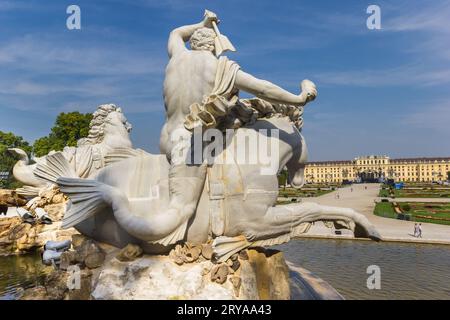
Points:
[270,92]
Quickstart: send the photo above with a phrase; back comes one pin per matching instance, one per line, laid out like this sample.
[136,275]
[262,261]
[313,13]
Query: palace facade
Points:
[374,168]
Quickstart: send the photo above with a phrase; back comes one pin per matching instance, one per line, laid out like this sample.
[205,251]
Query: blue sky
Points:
[380,91]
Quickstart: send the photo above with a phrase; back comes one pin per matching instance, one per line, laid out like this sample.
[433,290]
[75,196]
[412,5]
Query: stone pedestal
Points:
[187,273]
[261,274]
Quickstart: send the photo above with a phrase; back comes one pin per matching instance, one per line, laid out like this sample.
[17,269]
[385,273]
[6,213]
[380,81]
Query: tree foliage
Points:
[68,129]
[283,178]
[8,159]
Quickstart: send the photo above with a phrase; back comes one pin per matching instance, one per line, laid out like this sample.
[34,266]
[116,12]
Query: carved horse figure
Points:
[108,130]
[126,201]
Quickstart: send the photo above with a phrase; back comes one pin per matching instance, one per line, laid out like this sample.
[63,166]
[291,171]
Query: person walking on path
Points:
[416,230]
[419,231]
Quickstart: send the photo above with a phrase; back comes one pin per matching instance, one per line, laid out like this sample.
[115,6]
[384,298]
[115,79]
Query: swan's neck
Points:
[23,160]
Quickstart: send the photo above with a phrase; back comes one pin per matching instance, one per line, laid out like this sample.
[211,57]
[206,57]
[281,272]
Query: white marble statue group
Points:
[122,195]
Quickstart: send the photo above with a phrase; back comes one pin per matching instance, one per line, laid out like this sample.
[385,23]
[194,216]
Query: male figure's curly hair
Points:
[203,39]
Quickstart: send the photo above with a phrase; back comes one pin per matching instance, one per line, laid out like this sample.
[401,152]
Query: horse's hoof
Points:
[362,231]
[375,235]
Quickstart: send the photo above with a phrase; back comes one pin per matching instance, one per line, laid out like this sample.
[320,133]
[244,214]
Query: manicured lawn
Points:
[316,185]
[292,192]
[428,191]
[384,193]
[424,185]
[385,209]
[417,193]
[419,211]
[285,202]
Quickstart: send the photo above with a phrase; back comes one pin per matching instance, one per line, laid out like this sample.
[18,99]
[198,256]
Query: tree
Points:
[282,178]
[68,129]
[8,159]
[448,175]
[42,146]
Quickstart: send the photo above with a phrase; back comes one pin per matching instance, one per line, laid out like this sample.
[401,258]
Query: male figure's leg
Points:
[187,172]
[185,187]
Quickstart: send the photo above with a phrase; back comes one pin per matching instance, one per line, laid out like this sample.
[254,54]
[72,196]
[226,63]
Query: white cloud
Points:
[8,5]
[47,72]
[434,116]
[405,75]
[172,4]
[428,24]
[52,56]
[416,16]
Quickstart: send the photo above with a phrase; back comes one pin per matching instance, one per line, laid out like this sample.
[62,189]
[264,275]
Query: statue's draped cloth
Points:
[222,109]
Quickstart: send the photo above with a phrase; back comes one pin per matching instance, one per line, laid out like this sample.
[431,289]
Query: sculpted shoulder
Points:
[192,59]
[195,69]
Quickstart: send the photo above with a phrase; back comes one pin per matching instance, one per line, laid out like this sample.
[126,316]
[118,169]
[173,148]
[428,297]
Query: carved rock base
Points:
[263,274]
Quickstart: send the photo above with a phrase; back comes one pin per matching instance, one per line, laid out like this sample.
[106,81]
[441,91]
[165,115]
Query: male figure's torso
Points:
[190,75]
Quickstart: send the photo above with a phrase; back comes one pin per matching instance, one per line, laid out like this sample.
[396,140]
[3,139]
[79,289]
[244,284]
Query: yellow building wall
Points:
[407,170]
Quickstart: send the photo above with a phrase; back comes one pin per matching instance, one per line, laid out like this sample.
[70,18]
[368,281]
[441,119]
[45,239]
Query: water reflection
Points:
[20,272]
[408,271]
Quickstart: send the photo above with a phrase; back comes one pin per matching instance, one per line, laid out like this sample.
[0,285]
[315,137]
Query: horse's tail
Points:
[87,197]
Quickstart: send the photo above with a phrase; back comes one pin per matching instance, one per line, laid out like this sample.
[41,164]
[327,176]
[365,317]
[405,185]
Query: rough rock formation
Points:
[11,198]
[56,287]
[105,272]
[48,198]
[129,253]
[87,253]
[188,274]
[17,237]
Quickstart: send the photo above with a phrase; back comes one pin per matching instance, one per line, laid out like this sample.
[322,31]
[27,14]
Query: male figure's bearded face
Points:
[203,39]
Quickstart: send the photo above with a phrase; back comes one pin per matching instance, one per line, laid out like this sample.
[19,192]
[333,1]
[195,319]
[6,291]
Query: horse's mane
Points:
[97,124]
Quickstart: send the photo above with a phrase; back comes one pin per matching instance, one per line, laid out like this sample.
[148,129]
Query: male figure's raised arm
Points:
[270,92]
[179,36]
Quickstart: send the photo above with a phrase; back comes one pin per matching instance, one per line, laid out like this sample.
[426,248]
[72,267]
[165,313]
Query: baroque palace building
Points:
[374,168]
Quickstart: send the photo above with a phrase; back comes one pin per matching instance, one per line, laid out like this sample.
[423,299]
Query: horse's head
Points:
[109,126]
[116,123]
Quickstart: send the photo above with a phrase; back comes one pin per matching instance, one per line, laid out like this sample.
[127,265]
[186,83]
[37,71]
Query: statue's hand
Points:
[309,91]
[209,18]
